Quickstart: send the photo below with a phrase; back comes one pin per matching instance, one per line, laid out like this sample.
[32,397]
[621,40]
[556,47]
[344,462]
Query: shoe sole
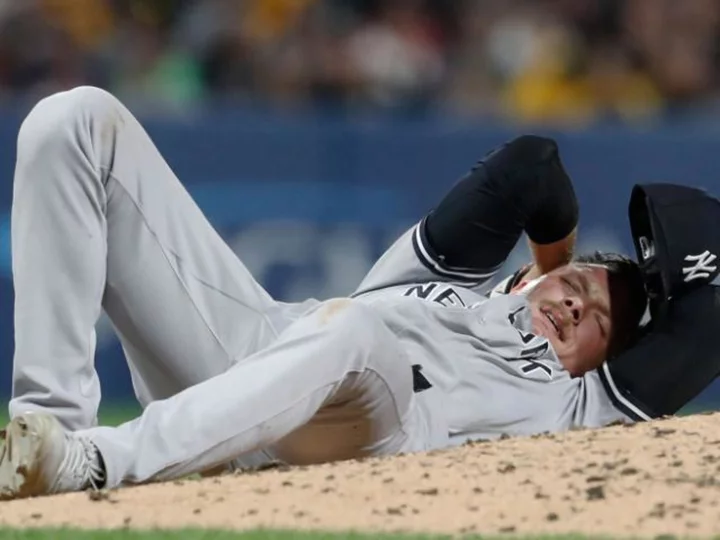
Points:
[26,442]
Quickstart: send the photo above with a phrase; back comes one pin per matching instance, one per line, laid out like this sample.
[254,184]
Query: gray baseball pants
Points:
[99,221]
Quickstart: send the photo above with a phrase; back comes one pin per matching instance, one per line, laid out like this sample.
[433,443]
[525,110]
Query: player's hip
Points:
[262,328]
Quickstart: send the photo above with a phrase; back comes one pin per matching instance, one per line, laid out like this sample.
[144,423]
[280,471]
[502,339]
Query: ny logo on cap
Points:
[701,268]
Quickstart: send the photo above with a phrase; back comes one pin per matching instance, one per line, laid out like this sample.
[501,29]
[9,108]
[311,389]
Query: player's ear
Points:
[525,286]
[519,287]
[517,281]
[508,284]
[521,281]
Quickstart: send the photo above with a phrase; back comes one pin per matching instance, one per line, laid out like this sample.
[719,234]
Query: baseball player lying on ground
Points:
[418,358]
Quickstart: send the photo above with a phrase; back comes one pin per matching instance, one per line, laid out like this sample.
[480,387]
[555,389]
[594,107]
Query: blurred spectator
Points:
[397,53]
[575,61]
[558,71]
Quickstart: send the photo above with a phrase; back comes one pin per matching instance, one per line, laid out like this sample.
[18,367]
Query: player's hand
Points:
[548,257]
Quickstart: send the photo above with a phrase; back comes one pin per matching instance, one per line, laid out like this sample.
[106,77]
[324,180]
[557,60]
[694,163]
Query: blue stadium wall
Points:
[309,202]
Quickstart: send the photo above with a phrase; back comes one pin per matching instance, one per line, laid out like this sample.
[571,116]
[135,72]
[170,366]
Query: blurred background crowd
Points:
[565,61]
[312,132]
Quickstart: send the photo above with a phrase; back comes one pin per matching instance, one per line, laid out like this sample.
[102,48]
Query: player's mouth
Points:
[556,321]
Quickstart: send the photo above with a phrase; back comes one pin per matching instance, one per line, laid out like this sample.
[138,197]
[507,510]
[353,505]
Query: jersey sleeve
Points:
[408,261]
[519,187]
[600,403]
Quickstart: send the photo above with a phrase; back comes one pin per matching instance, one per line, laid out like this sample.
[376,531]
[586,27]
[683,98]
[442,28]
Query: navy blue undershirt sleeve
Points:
[521,186]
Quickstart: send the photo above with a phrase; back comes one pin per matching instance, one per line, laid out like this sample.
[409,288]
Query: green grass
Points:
[111,414]
[199,534]
[115,413]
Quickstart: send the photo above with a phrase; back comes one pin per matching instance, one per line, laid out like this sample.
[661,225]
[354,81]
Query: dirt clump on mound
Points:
[646,480]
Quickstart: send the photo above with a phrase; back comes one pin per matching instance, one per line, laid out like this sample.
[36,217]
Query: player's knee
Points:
[54,120]
[76,102]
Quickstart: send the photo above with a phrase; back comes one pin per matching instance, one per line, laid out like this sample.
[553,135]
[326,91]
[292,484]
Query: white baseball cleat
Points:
[38,457]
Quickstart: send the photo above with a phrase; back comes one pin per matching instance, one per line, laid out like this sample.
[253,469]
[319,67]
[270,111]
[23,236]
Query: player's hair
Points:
[626,273]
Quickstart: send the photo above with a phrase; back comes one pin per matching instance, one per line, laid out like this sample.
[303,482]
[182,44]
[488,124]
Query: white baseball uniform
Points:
[415,360]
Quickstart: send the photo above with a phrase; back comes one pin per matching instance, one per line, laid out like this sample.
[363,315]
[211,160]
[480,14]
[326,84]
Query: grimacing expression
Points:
[579,309]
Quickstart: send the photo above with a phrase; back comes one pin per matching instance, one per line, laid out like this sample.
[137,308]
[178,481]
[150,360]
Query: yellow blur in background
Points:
[564,61]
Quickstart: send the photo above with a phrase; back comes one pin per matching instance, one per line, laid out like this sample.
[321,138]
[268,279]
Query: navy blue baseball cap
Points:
[676,232]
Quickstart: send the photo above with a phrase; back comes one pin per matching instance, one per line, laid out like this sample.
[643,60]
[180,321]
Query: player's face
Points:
[572,308]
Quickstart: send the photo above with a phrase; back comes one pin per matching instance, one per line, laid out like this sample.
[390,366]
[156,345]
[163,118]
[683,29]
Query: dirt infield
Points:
[646,480]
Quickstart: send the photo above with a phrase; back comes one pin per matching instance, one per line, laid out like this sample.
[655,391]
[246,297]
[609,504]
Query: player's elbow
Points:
[519,165]
[533,149]
[529,172]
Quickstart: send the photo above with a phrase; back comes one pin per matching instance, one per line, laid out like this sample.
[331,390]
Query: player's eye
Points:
[574,287]
[601,325]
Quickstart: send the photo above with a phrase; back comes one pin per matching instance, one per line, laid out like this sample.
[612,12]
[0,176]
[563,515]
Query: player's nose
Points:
[576,306]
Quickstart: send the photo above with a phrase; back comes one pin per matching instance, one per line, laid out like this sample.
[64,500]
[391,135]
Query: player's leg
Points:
[99,218]
[340,356]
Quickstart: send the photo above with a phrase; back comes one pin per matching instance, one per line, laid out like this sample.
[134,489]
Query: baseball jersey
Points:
[487,373]
[492,374]
[475,346]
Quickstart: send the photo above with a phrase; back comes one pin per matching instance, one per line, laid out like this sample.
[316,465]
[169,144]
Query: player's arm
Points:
[547,257]
[520,187]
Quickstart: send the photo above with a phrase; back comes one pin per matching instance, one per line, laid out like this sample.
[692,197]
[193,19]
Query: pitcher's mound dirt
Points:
[650,479]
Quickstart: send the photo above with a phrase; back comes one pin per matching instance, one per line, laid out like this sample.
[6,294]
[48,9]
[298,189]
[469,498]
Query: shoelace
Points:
[82,462]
